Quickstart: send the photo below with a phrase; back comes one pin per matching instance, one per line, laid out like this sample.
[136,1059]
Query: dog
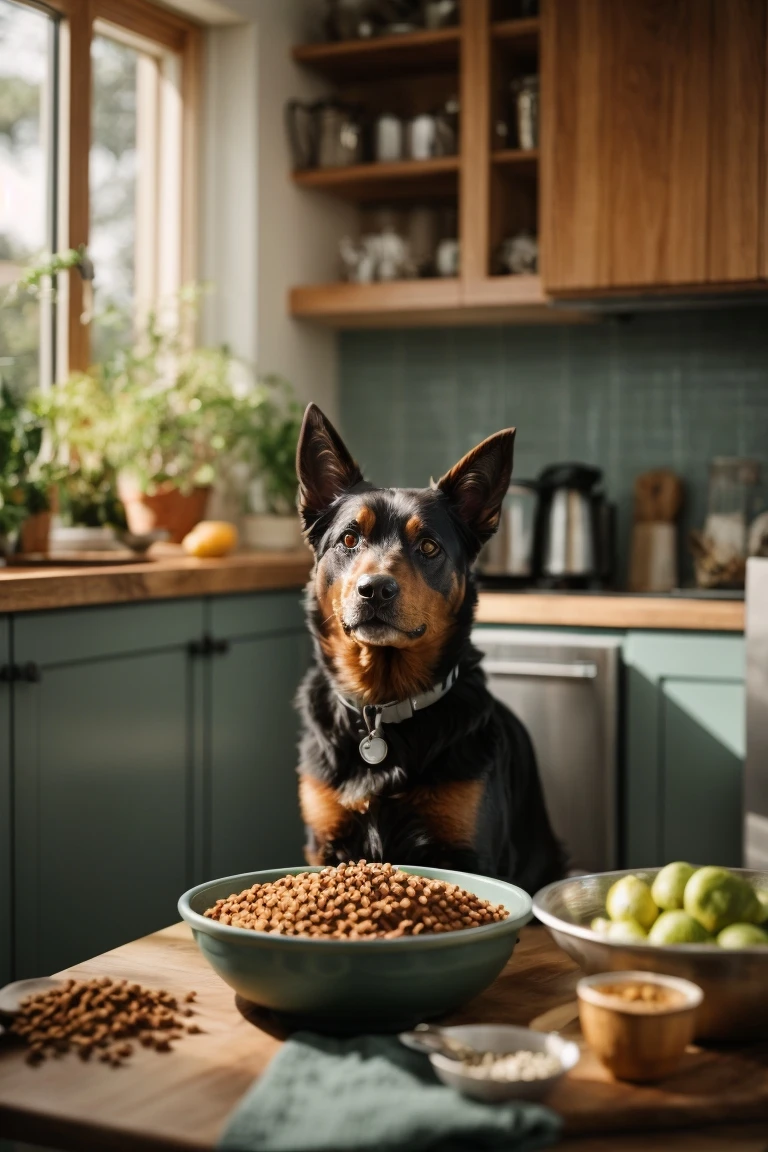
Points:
[405,756]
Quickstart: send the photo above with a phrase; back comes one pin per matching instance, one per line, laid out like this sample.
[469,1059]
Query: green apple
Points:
[630,899]
[626,932]
[668,888]
[742,936]
[717,898]
[677,927]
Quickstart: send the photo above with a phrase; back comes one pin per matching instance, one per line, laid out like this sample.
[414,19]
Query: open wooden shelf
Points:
[402,179]
[515,157]
[372,305]
[423,51]
[527,29]
[413,303]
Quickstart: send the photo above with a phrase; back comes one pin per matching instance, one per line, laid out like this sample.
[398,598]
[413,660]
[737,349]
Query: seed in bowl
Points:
[355,902]
[510,1066]
[642,997]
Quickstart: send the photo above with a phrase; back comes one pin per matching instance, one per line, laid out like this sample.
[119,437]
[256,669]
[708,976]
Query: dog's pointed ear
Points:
[477,485]
[324,467]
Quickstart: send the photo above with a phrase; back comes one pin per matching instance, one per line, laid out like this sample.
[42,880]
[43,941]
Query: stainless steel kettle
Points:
[510,551]
[574,527]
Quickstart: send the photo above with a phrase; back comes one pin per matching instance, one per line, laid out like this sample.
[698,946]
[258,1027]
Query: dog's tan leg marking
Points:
[321,809]
[449,811]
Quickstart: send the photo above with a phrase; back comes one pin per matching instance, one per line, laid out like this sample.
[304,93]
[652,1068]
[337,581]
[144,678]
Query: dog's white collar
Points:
[373,747]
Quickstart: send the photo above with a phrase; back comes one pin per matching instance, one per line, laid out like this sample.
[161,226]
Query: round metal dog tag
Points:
[373,749]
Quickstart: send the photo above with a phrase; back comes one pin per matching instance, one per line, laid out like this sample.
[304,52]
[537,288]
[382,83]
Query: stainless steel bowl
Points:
[734,982]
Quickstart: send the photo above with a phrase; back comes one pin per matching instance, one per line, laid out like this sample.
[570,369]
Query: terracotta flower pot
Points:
[167,508]
[34,533]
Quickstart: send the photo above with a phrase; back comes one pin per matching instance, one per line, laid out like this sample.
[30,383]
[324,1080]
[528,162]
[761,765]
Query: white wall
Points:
[261,234]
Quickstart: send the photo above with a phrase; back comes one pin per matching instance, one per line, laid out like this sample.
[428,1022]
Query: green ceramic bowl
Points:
[357,985]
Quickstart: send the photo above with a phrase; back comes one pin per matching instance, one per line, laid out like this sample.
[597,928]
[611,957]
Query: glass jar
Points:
[720,551]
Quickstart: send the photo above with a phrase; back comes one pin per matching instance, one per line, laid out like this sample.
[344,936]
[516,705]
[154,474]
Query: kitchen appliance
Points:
[325,134]
[565,689]
[574,528]
[756,766]
[510,551]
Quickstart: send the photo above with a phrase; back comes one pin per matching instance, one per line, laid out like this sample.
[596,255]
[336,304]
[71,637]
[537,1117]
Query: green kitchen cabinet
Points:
[103,773]
[685,728]
[252,813]
[6,795]
[154,748]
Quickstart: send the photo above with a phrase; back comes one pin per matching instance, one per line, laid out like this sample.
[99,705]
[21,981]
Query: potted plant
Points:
[79,417]
[25,480]
[271,421]
[175,422]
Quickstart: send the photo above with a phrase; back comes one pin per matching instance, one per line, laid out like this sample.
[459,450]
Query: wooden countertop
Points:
[617,610]
[169,574]
[180,1101]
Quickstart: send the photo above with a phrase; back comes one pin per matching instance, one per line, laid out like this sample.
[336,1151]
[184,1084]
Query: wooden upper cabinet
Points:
[653,122]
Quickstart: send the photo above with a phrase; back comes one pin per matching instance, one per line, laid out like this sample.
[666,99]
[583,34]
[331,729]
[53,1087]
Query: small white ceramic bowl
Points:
[504,1038]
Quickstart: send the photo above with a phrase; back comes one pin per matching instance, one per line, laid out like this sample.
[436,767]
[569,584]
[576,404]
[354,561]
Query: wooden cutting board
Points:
[712,1085]
[181,1100]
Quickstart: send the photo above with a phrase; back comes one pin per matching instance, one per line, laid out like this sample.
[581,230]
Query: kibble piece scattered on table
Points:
[355,902]
[100,1017]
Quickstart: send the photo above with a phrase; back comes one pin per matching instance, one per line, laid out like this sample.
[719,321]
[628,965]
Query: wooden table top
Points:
[168,1102]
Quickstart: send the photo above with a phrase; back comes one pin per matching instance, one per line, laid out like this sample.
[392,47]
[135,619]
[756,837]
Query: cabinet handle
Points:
[208,647]
[28,673]
[578,670]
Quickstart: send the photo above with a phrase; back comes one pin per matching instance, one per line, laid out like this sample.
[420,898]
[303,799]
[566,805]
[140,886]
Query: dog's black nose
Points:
[377,588]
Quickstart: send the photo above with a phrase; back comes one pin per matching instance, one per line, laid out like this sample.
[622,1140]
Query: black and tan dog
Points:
[405,755]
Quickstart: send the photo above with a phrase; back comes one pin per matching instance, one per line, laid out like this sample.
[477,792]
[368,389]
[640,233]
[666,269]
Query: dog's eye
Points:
[429,548]
[349,538]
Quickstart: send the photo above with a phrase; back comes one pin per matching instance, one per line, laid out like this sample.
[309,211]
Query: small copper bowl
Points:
[638,1039]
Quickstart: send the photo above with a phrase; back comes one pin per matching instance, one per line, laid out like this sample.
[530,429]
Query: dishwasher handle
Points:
[550,669]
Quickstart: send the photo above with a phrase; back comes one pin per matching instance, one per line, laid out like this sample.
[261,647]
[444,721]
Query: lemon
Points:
[626,932]
[677,927]
[209,539]
[669,886]
[717,898]
[742,936]
[600,924]
[630,899]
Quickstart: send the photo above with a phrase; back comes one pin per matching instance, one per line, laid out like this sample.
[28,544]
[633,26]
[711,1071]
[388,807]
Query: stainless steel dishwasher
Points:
[565,689]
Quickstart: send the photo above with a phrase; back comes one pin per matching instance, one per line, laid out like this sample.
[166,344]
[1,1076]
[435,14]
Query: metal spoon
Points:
[429,1038]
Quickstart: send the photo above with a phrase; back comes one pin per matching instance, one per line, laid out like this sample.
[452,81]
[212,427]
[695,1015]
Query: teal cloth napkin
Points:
[372,1093]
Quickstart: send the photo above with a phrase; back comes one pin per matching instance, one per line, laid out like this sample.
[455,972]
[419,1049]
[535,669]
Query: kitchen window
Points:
[28,139]
[97,112]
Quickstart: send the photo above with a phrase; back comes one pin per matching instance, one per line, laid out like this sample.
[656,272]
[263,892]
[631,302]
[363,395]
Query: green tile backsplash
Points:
[671,389]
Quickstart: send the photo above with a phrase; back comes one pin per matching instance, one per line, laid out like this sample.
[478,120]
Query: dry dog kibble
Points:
[510,1066]
[99,1016]
[355,902]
